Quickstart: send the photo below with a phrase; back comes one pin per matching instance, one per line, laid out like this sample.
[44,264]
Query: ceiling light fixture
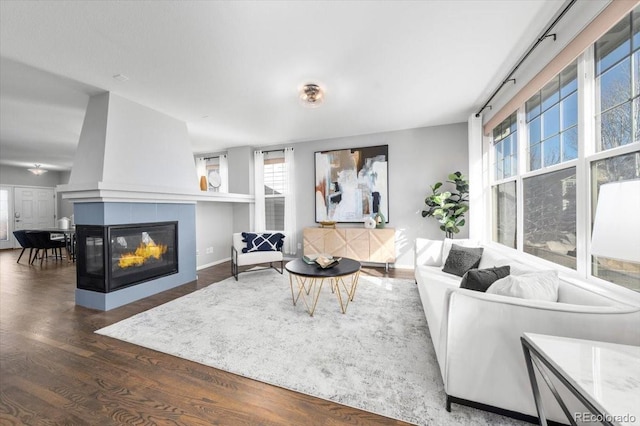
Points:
[311,95]
[37,170]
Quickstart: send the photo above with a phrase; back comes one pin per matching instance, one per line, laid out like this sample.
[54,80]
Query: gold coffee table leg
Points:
[350,291]
[354,285]
[313,289]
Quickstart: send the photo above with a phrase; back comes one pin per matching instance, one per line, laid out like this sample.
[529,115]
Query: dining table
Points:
[68,234]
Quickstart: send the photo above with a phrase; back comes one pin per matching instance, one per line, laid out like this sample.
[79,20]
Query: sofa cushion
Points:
[461,259]
[491,258]
[481,279]
[428,252]
[262,241]
[539,285]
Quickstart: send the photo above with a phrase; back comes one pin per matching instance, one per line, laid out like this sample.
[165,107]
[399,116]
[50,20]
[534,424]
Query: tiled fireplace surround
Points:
[114,213]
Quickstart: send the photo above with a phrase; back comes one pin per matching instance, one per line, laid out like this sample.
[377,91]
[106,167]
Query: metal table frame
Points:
[310,281]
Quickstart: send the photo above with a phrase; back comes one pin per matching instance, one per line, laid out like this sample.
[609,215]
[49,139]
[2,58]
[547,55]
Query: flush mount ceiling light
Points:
[311,95]
[37,170]
[121,77]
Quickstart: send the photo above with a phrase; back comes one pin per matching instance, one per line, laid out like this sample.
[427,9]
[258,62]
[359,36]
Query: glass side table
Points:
[605,377]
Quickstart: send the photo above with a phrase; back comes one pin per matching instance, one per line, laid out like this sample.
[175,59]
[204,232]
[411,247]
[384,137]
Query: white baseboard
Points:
[288,258]
[209,265]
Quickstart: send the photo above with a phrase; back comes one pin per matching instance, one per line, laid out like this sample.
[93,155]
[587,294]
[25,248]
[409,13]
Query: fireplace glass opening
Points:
[117,256]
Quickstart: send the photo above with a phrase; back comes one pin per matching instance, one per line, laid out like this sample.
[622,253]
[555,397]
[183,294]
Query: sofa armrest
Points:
[480,339]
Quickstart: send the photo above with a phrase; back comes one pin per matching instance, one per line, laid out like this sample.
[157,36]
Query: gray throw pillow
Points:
[481,279]
[461,259]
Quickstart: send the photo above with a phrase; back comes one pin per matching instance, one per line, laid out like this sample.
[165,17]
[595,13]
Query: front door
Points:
[6,213]
[34,208]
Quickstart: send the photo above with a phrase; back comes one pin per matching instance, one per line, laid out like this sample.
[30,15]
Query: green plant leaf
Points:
[436,186]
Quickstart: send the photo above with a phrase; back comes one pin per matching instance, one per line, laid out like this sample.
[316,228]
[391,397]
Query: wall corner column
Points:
[477,212]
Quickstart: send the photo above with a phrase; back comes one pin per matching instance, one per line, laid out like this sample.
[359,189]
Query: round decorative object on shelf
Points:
[214,179]
[327,224]
[369,223]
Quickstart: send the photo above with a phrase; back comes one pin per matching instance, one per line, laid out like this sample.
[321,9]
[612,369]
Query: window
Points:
[274,190]
[505,142]
[504,219]
[552,121]
[618,168]
[550,216]
[213,173]
[4,215]
[617,62]
[546,195]
[217,173]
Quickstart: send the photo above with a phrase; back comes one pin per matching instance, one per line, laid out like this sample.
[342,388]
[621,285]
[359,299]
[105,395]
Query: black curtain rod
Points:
[526,55]
[215,156]
[273,150]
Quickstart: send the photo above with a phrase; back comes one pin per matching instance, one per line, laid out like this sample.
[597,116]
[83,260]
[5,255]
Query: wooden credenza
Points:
[364,245]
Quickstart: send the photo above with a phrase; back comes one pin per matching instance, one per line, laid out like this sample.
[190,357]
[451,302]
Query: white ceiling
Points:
[231,69]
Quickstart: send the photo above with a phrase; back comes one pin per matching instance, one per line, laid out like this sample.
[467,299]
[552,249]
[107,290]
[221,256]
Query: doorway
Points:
[24,208]
[6,212]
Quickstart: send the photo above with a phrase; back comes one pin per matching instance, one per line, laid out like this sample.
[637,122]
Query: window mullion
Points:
[523,158]
[586,145]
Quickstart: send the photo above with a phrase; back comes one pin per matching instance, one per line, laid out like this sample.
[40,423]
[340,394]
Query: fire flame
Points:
[142,254]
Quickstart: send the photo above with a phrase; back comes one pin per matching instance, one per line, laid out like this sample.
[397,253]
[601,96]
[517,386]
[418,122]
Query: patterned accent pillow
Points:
[461,259]
[262,242]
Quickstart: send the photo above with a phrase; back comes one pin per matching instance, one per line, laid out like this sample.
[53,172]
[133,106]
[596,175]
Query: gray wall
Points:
[240,161]
[20,176]
[417,159]
[214,225]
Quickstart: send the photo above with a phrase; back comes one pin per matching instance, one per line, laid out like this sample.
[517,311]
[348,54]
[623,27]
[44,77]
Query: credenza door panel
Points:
[382,247]
[357,244]
[335,243]
[362,244]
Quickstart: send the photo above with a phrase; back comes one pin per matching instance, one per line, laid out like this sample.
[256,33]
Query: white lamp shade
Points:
[616,228]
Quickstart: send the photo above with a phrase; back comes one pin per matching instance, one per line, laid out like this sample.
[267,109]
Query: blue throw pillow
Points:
[262,242]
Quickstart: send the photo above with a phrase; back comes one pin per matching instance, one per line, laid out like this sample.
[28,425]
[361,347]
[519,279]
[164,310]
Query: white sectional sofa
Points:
[476,335]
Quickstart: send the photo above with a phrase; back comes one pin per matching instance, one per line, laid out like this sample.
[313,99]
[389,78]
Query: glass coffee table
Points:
[309,279]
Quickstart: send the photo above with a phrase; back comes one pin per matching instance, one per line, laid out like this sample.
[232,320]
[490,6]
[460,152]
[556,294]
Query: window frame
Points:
[273,157]
[588,153]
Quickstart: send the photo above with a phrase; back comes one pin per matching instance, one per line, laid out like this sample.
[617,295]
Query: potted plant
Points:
[449,207]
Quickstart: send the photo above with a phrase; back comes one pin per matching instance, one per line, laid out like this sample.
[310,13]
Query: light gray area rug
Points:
[377,357]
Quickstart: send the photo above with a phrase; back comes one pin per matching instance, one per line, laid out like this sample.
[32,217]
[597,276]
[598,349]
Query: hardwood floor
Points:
[55,370]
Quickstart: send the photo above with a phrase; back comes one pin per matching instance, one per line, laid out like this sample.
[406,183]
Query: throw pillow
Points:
[262,242]
[449,242]
[481,279]
[540,285]
[461,259]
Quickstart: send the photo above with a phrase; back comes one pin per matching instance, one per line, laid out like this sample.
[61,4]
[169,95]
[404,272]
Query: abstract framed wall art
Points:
[352,184]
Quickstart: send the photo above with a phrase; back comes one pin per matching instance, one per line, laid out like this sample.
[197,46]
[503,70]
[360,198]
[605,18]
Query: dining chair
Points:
[21,237]
[41,240]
